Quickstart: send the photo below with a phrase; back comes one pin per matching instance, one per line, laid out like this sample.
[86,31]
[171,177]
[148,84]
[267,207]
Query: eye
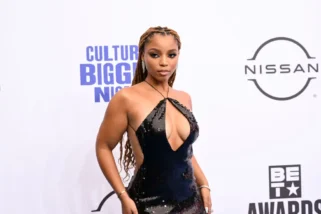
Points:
[173,55]
[153,55]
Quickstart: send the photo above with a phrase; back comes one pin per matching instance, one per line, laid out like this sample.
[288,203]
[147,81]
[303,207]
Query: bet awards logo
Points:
[285,185]
[281,68]
[285,182]
[108,69]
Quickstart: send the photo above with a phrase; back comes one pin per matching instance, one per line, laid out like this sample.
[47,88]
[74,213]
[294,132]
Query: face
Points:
[161,56]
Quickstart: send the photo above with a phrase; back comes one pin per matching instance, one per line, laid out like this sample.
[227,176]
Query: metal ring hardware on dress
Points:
[205,186]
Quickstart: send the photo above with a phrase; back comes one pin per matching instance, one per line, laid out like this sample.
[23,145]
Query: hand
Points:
[128,205]
[206,197]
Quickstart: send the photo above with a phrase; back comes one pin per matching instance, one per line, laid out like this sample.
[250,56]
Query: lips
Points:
[163,72]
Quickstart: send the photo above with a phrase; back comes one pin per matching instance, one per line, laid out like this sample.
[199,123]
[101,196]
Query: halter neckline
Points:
[158,90]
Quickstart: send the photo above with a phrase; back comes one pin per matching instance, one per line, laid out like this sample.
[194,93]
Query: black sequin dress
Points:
[165,181]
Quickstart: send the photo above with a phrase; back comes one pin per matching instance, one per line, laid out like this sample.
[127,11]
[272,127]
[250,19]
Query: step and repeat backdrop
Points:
[251,67]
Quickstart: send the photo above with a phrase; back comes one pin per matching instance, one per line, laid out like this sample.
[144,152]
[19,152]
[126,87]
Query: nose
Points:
[163,61]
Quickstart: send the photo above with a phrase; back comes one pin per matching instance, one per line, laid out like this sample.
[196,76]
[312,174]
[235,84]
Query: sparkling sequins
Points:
[188,174]
[165,183]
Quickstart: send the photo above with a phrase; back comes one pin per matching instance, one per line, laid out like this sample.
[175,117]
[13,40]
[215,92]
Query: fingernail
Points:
[206,209]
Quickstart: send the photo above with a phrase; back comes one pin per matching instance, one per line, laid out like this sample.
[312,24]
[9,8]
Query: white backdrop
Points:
[49,120]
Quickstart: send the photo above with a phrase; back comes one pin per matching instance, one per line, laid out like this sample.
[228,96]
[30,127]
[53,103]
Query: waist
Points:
[166,170]
[175,181]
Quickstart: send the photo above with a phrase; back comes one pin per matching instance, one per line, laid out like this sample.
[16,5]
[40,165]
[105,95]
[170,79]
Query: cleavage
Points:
[177,126]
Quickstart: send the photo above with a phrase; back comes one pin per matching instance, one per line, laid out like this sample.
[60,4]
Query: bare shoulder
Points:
[124,97]
[125,94]
[183,97]
[121,97]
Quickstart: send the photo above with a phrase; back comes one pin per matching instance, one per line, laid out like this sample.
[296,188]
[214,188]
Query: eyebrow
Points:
[155,49]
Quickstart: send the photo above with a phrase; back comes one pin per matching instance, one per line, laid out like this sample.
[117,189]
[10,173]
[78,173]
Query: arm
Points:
[201,180]
[111,130]
[198,173]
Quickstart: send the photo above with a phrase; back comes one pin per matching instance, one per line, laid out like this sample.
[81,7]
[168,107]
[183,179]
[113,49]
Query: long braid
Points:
[128,157]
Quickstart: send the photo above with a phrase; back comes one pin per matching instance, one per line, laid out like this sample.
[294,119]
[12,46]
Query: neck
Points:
[161,86]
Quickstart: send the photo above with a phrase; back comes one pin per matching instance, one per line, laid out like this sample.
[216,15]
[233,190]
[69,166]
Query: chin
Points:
[163,79]
[160,77]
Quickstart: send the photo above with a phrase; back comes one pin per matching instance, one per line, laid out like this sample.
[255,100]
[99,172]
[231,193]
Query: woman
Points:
[161,130]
